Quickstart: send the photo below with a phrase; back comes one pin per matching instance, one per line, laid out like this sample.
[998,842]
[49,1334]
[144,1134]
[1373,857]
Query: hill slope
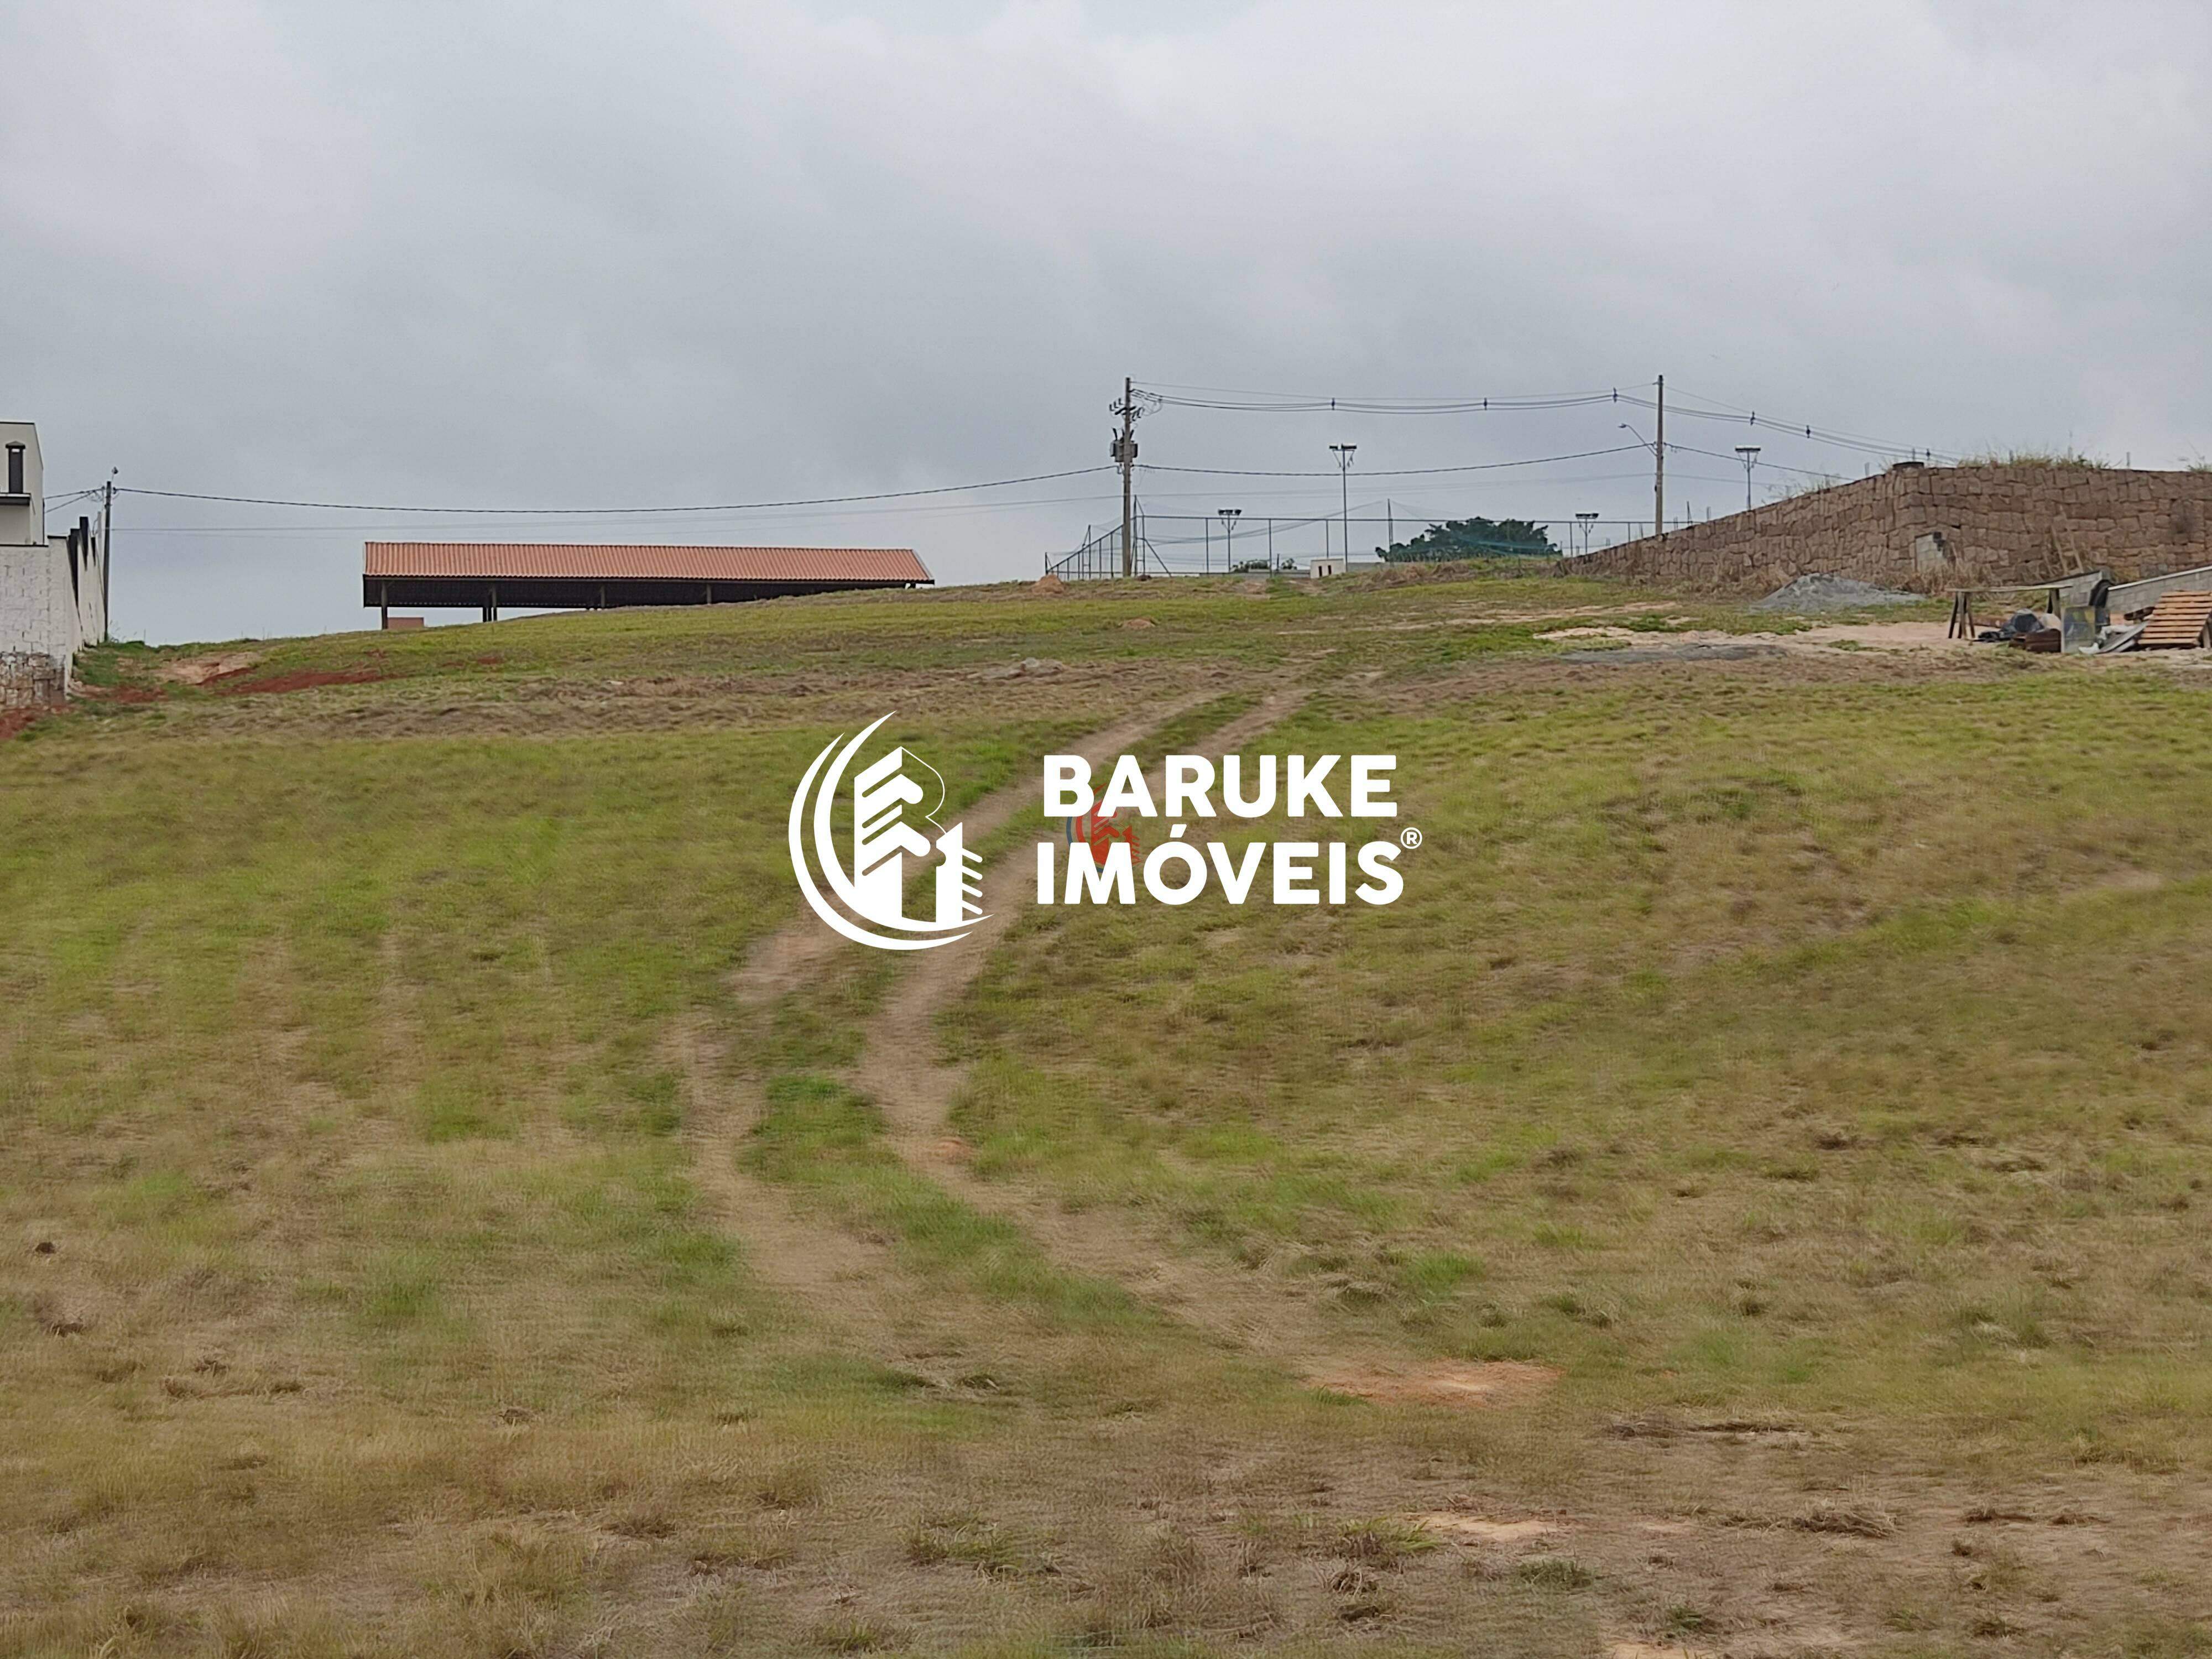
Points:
[1748,1194]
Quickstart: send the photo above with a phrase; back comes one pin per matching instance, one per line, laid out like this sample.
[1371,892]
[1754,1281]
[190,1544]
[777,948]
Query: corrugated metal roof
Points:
[586,561]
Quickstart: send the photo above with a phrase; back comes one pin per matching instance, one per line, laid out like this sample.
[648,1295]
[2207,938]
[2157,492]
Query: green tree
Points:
[1473,538]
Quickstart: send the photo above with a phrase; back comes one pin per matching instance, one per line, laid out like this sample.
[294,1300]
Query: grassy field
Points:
[1748,1196]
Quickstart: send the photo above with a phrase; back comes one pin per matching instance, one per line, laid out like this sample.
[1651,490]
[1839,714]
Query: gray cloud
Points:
[587,255]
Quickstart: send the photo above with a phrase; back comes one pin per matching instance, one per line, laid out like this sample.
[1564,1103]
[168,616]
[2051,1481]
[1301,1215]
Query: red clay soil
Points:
[300,679]
[17,719]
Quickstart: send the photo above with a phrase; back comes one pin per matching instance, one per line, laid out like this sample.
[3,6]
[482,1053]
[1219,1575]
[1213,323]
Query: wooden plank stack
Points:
[2177,623]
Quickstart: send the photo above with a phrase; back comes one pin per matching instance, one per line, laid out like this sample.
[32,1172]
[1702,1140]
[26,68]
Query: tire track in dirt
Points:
[857,1284]
[1247,1308]
[851,1284]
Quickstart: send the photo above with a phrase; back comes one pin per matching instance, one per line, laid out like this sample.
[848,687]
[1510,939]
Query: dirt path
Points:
[1251,1310]
[856,1284]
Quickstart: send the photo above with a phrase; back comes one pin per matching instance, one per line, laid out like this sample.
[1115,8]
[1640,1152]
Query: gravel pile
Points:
[1822,592]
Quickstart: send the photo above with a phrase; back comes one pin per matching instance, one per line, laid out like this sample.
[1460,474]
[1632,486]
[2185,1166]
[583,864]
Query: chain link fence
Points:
[1217,543]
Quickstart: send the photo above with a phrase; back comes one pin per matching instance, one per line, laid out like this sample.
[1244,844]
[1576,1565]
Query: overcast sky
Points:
[684,250]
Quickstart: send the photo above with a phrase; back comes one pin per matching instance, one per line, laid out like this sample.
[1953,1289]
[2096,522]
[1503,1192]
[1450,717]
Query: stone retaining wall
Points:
[1931,528]
[30,679]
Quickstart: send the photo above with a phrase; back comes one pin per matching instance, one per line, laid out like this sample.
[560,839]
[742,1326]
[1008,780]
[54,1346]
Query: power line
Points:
[609,511]
[947,509]
[1264,403]
[1401,472]
[1290,403]
[1795,429]
[1752,417]
[1771,466]
[1246,391]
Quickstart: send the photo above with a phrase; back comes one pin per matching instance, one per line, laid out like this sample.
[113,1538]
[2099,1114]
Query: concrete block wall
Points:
[37,610]
[44,613]
[1931,528]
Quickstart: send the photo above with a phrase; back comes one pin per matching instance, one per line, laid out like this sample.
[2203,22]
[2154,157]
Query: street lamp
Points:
[1343,452]
[1750,453]
[1229,515]
[1589,522]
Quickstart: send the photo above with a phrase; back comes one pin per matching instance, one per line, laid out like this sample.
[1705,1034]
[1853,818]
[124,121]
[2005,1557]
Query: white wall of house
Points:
[53,589]
[81,581]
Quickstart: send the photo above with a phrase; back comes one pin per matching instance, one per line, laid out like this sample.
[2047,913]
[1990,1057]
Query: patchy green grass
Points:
[1816,1043]
[1756,1057]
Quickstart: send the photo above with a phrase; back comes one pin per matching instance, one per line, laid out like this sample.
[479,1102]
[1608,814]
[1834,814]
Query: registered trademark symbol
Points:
[1409,838]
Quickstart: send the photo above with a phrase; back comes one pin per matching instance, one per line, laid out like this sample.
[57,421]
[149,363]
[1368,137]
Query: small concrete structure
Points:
[53,589]
[1330,566]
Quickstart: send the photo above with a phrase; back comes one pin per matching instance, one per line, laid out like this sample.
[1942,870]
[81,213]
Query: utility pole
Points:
[1344,476]
[1229,515]
[1659,467]
[1123,451]
[1126,453]
[1588,521]
[106,553]
[1750,453]
[1389,530]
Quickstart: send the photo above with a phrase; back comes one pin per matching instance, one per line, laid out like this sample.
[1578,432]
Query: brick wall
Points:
[29,679]
[1931,528]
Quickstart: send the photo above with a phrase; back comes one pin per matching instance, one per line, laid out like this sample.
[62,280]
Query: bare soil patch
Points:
[198,670]
[302,679]
[1898,636]
[1442,1383]
[1473,1529]
[1887,636]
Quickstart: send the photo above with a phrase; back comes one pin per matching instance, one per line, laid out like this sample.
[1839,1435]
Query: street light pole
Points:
[1229,515]
[1344,482]
[1750,453]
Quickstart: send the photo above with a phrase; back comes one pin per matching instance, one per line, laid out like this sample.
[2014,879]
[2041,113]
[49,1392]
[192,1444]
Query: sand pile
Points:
[1820,592]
